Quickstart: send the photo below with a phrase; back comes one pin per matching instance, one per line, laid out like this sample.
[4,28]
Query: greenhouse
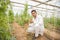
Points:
[17,15]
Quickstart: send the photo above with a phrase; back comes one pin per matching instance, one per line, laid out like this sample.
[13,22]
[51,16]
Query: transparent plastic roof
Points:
[34,3]
[40,5]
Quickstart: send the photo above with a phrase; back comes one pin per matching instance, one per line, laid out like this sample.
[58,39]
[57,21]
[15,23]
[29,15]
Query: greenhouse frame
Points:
[17,15]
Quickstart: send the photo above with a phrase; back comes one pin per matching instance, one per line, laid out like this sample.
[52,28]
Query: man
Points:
[36,24]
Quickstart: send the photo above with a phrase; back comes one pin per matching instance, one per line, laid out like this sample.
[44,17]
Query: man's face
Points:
[34,14]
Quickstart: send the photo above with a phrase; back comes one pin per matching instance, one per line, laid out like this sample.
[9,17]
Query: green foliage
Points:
[50,20]
[11,16]
[4,5]
[24,16]
[54,21]
[17,17]
[4,27]
[58,23]
[46,21]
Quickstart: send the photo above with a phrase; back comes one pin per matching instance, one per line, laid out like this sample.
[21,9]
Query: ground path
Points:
[21,33]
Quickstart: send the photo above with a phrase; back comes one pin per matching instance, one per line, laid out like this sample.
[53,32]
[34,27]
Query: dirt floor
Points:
[21,34]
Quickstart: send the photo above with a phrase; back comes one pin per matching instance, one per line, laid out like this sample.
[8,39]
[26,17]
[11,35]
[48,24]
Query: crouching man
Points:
[36,26]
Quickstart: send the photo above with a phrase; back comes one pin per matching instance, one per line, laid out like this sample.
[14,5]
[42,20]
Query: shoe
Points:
[34,38]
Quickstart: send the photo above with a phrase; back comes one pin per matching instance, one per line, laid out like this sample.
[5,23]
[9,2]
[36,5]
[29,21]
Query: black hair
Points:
[33,11]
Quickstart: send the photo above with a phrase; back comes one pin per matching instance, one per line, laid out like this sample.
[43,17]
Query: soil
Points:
[21,34]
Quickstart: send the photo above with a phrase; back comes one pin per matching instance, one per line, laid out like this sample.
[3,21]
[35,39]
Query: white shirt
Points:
[37,26]
[38,21]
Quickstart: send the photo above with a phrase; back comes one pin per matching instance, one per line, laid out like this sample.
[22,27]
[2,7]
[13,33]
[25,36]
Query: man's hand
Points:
[31,21]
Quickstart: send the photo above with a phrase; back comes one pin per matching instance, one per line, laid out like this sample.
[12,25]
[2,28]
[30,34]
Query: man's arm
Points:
[31,21]
[39,21]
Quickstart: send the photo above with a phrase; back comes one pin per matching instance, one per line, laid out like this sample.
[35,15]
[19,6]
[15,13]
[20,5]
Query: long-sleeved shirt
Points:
[38,21]
[37,26]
